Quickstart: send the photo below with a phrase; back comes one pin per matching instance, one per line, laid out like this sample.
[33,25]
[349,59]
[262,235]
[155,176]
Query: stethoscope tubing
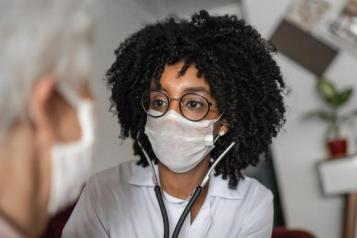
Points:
[165,218]
[187,210]
[195,195]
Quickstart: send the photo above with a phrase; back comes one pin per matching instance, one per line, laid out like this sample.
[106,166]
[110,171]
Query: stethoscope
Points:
[196,193]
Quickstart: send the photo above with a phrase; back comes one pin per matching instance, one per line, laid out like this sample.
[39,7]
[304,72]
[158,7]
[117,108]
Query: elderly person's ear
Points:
[42,92]
[54,118]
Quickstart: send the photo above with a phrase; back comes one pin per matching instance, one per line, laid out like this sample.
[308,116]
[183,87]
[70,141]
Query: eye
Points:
[194,104]
[158,103]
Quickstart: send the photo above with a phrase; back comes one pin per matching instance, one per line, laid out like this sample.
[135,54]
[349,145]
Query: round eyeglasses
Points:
[193,106]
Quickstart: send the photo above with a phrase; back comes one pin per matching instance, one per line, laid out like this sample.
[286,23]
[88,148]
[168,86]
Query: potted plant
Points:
[335,99]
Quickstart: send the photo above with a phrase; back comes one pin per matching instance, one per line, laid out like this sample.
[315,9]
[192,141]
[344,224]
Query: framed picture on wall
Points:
[314,31]
[306,14]
[301,35]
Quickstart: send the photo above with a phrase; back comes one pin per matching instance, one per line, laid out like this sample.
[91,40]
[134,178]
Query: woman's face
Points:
[176,86]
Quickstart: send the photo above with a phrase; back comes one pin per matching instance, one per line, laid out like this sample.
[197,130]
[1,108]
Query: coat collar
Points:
[218,187]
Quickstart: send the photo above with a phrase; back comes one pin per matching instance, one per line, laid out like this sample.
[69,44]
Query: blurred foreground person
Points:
[46,110]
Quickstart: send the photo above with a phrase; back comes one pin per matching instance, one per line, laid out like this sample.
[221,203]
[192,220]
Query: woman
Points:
[179,88]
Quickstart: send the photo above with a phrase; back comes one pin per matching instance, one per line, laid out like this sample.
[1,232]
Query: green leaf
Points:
[344,96]
[326,89]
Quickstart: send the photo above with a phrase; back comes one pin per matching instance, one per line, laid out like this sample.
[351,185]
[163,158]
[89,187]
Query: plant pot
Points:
[337,147]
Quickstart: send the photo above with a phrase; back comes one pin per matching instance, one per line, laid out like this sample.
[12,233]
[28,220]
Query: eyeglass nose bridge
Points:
[177,107]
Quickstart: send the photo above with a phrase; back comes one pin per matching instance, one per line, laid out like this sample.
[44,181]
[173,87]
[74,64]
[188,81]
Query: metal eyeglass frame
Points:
[180,103]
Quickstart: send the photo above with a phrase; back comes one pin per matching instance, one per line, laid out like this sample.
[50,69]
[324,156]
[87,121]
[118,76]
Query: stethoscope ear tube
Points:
[165,218]
[187,210]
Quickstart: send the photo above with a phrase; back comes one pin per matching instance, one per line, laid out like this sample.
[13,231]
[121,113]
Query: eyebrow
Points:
[196,90]
[186,90]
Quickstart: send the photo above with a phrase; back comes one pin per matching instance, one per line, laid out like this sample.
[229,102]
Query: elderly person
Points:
[46,117]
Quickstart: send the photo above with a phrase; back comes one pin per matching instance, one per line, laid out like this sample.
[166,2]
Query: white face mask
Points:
[178,143]
[71,162]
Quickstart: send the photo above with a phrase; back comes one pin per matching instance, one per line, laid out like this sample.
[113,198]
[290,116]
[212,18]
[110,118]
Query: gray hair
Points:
[40,37]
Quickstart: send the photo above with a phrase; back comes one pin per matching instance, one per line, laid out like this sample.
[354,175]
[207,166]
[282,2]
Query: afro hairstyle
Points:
[233,58]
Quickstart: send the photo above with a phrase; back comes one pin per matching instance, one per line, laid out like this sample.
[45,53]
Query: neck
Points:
[18,183]
[181,185]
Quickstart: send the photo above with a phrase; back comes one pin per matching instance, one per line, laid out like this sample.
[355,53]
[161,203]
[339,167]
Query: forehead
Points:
[175,84]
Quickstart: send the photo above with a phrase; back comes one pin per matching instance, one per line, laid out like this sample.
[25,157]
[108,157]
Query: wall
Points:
[300,146]
[117,19]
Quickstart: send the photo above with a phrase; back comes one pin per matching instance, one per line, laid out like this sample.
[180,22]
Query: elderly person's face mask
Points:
[71,161]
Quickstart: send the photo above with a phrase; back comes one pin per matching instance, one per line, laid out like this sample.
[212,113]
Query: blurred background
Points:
[317,43]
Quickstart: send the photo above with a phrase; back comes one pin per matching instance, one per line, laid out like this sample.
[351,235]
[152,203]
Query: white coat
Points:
[120,203]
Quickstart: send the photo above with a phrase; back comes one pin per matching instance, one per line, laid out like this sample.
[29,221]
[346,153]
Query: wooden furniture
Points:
[339,177]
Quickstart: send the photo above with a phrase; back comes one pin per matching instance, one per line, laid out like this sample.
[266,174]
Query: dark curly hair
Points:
[234,60]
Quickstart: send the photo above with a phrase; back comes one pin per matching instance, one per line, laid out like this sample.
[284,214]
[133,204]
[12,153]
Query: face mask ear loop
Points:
[69,94]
